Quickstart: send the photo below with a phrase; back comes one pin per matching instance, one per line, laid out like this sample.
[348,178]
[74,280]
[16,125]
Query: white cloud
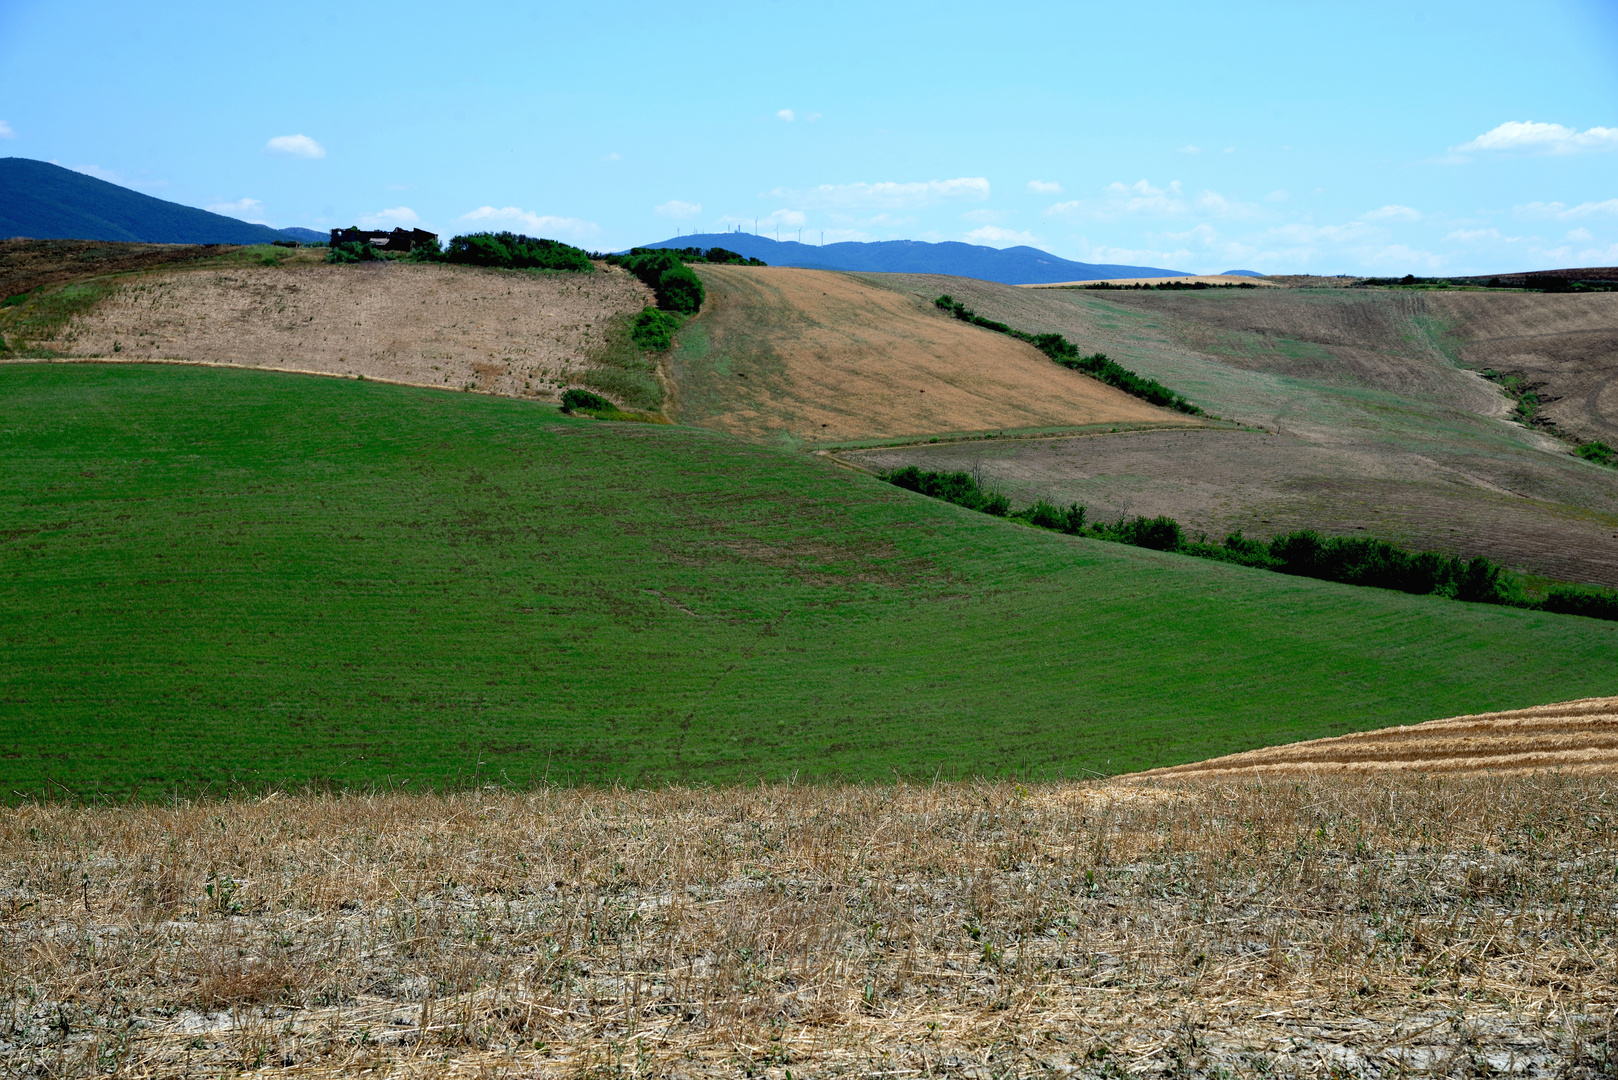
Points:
[396,218]
[296,145]
[1392,212]
[1472,236]
[241,208]
[6,132]
[614,156]
[888,194]
[1120,198]
[994,236]
[786,114]
[674,208]
[1210,202]
[1563,212]
[783,219]
[1188,149]
[534,223]
[810,118]
[1536,138]
[1278,196]
[1582,235]
[1044,187]
[1400,256]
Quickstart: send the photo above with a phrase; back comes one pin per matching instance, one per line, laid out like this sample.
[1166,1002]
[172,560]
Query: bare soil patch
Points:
[30,264]
[503,332]
[1571,737]
[1386,925]
[818,356]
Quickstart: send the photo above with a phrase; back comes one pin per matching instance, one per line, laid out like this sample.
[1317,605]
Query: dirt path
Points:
[818,356]
[1573,736]
[511,333]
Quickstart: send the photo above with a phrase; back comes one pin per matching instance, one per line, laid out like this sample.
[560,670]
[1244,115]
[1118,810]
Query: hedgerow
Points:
[1349,560]
[513,251]
[1064,352]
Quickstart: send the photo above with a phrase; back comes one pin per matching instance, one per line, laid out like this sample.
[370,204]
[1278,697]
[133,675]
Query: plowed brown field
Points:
[518,334]
[1574,736]
[819,356]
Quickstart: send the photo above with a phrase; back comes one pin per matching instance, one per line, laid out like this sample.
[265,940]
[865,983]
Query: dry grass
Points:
[1572,737]
[820,356]
[461,328]
[1329,926]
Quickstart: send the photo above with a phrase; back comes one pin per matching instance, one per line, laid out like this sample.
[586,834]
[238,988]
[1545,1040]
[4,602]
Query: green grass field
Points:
[212,578]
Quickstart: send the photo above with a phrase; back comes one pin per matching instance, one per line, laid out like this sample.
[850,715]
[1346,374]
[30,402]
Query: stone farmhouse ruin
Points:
[397,240]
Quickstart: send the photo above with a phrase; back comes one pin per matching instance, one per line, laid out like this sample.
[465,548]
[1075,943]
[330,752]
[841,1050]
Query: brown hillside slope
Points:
[812,355]
[1371,425]
[504,332]
[1573,736]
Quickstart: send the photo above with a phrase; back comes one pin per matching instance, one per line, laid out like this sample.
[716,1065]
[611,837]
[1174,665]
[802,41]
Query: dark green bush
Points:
[1158,533]
[956,487]
[426,251]
[576,400]
[653,330]
[512,251]
[351,252]
[1598,452]
[678,289]
[1578,600]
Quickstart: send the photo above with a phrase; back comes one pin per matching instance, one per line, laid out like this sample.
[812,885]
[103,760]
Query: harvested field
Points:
[32,264]
[1571,737]
[1370,422]
[1178,279]
[501,332]
[816,356]
[1324,926]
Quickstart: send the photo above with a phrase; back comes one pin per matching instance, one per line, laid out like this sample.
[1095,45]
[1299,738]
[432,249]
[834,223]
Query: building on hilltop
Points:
[397,240]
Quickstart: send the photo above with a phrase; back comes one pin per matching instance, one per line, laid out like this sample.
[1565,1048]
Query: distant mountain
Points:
[48,202]
[1010,266]
[306,236]
[1242,273]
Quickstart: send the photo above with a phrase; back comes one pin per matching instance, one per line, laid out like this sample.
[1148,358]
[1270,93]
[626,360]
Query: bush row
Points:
[665,273]
[1350,560]
[504,250]
[1095,365]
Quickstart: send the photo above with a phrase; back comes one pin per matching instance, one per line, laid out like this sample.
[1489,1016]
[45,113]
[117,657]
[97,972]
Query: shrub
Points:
[676,287]
[1158,533]
[1045,515]
[351,252]
[426,251]
[955,487]
[1598,452]
[1579,600]
[576,400]
[516,252]
[653,329]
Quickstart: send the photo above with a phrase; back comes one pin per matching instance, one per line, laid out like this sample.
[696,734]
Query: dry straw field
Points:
[520,335]
[1318,925]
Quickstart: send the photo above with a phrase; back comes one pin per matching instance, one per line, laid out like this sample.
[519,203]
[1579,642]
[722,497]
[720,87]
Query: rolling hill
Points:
[47,202]
[1009,266]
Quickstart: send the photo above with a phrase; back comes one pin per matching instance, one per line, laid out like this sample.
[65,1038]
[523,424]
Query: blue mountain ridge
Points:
[1009,266]
[42,201]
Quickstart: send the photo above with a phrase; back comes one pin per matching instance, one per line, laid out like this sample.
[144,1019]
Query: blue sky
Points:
[1421,138]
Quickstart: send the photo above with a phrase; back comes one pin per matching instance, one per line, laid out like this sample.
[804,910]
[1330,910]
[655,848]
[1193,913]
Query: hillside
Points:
[216,576]
[47,202]
[1011,266]
[462,328]
[807,356]
[1367,417]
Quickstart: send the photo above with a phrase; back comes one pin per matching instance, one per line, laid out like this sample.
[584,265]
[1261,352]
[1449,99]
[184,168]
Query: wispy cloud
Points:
[786,114]
[1189,149]
[397,217]
[6,132]
[674,208]
[1474,236]
[1392,213]
[994,236]
[1536,138]
[987,217]
[1044,187]
[245,209]
[1563,212]
[296,145]
[614,156]
[535,223]
[1119,198]
[888,194]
